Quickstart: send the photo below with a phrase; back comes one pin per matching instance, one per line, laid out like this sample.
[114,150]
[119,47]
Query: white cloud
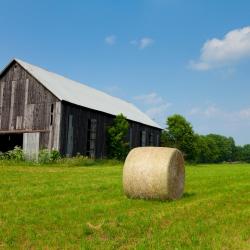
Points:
[156,113]
[223,52]
[110,40]
[151,98]
[213,119]
[145,42]
[142,43]
[154,105]
[245,113]
[210,111]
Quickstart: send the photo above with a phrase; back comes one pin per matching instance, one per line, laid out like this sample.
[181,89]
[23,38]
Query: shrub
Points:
[16,154]
[2,156]
[118,146]
[55,155]
[84,161]
[47,156]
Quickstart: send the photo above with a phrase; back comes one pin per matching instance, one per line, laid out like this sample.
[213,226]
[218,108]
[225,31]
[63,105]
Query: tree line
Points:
[179,133]
[211,148]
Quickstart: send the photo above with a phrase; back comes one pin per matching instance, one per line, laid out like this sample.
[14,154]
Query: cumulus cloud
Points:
[145,42]
[156,113]
[213,119]
[110,40]
[245,113]
[151,98]
[154,105]
[212,111]
[234,46]
[142,43]
[209,111]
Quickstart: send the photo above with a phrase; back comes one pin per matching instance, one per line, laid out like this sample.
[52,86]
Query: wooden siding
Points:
[80,116]
[25,106]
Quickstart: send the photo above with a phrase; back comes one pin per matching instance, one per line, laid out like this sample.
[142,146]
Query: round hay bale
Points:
[154,173]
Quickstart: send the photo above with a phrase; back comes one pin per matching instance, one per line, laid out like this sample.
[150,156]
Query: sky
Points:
[165,56]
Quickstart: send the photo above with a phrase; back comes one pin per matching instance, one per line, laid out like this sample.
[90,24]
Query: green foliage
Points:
[55,155]
[242,153]
[179,134]
[225,147]
[14,155]
[246,153]
[118,145]
[2,156]
[84,161]
[47,156]
[214,148]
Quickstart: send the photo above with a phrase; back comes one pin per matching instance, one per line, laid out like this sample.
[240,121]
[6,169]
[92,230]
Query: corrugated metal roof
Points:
[80,94]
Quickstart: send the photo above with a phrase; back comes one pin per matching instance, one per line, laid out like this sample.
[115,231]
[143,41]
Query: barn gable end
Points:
[25,107]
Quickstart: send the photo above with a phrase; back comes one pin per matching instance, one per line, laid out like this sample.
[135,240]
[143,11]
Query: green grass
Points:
[60,207]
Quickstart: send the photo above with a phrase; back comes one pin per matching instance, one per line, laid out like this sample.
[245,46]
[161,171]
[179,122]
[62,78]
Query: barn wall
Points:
[74,124]
[25,106]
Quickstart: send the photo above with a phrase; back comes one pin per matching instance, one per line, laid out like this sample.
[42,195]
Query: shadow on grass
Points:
[188,195]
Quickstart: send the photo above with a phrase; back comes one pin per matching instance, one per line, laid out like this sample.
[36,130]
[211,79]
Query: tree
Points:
[225,147]
[118,145]
[179,134]
[214,148]
[238,153]
[207,150]
[245,154]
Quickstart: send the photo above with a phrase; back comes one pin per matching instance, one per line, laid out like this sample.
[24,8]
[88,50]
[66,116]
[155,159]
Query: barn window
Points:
[151,139]
[51,113]
[91,138]
[143,138]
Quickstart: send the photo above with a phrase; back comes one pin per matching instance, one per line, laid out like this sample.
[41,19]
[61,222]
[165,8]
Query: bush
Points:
[55,155]
[2,156]
[84,161]
[16,154]
[47,156]
[118,146]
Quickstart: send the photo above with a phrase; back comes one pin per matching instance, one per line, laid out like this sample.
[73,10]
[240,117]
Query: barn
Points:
[40,109]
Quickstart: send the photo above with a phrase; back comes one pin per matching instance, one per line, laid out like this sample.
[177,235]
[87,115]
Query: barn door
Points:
[91,138]
[31,145]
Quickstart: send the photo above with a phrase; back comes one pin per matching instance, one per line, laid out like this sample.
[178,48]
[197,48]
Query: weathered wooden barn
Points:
[40,109]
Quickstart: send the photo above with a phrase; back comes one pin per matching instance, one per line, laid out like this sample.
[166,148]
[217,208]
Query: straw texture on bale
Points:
[154,173]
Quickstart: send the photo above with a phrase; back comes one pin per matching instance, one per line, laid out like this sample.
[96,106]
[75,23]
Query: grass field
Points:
[52,207]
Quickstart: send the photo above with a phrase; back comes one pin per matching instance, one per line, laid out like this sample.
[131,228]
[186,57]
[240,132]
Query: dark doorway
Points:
[9,141]
[91,138]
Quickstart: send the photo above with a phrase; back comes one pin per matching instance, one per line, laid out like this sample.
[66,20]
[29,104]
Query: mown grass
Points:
[83,207]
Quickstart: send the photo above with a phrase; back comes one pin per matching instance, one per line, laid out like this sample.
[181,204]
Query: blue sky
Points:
[166,56]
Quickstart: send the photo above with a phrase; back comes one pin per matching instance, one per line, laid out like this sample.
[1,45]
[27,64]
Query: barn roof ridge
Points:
[83,95]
